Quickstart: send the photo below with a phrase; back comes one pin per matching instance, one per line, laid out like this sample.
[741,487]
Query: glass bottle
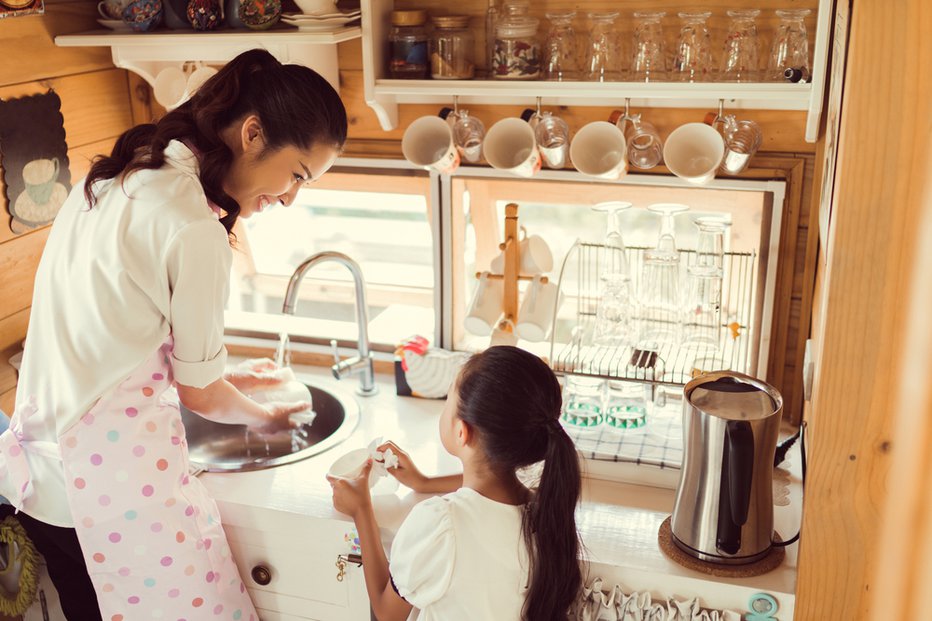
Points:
[491,21]
[603,60]
[517,51]
[649,62]
[693,59]
[408,44]
[740,62]
[452,49]
[790,50]
[560,47]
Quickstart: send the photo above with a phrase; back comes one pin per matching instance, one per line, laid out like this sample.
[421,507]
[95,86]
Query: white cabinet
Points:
[291,571]
[383,95]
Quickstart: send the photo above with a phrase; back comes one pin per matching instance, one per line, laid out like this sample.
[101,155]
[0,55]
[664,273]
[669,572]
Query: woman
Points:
[128,302]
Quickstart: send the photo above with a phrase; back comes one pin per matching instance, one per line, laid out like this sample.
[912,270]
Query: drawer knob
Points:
[261,575]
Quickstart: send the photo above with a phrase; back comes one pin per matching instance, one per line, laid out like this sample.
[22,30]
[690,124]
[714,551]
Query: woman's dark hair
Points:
[295,106]
[512,400]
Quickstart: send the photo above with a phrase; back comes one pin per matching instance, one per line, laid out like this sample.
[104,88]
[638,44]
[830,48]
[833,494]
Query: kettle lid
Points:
[733,396]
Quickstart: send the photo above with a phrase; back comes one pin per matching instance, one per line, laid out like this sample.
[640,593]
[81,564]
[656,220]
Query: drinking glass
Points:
[790,48]
[645,149]
[693,59]
[659,295]
[553,139]
[702,318]
[649,62]
[614,314]
[582,403]
[740,62]
[603,60]
[560,48]
[468,134]
[626,405]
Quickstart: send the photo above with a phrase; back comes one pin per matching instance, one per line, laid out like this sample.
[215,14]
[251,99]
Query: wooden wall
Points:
[96,109]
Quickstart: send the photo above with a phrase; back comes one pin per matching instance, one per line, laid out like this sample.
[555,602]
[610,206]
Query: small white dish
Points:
[310,7]
[319,20]
[302,16]
[350,465]
[114,24]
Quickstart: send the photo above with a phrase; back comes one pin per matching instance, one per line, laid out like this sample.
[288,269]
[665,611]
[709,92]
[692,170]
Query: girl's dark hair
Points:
[512,399]
[295,106]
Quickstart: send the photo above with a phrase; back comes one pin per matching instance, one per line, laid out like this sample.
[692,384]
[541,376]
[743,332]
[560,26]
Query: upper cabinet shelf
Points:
[384,95]
[149,53]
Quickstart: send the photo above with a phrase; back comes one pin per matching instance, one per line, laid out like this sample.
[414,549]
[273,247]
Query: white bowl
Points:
[349,466]
[316,7]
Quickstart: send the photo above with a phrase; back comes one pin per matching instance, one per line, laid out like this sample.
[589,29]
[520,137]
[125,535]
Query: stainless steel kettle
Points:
[724,502]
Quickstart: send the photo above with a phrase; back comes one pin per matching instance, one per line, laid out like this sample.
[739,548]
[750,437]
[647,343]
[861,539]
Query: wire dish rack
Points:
[573,349]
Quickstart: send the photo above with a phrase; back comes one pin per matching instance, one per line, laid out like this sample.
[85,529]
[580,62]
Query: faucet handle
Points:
[336,351]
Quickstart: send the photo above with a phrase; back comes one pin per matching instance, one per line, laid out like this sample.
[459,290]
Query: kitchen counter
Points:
[618,522]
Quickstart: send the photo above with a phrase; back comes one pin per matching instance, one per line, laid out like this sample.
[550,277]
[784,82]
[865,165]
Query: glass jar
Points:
[517,50]
[452,49]
[408,43]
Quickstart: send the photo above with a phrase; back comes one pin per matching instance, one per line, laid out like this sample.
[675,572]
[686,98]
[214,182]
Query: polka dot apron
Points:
[150,533]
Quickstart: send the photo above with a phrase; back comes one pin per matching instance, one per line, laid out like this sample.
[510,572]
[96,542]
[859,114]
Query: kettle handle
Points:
[735,491]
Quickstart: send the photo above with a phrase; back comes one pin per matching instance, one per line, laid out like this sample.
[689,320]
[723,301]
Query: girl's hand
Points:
[406,472]
[351,496]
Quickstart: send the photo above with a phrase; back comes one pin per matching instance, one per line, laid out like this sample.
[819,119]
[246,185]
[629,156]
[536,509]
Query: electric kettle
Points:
[724,501]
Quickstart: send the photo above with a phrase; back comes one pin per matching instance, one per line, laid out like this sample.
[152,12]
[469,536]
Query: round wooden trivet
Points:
[770,562]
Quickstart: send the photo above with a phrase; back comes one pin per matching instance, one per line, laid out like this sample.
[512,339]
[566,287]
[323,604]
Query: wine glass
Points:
[659,295]
[614,316]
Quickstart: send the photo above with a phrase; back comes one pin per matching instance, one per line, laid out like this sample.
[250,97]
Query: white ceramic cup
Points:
[428,142]
[198,77]
[170,88]
[536,314]
[349,466]
[693,152]
[112,9]
[534,257]
[485,309]
[510,145]
[317,7]
[599,150]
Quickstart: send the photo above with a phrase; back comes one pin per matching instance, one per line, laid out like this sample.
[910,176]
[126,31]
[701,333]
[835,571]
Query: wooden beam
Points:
[881,195]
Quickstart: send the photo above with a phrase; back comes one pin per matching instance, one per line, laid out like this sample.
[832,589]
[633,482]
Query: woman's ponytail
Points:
[550,528]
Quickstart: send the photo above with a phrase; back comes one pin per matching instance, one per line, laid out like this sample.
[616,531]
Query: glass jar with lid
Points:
[408,45]
[452,49]
[517,50]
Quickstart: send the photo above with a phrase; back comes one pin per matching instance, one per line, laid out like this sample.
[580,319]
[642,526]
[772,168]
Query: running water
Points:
[283,353]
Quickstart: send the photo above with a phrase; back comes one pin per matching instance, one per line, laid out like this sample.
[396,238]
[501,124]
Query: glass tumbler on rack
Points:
[692,61]
[582,403]
[740,61]
[649,62]
[626,404]
[560,53]
[659,294]
[790,50]
[702,320]
[603,59]
[615,310]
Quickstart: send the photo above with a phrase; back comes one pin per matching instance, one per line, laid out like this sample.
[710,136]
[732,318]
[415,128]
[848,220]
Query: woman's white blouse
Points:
[462,557]
[148,261]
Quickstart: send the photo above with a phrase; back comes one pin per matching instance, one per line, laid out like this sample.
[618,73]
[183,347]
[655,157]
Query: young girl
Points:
[491,549]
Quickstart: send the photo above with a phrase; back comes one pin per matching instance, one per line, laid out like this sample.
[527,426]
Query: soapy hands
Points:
[286,401]
[254,374]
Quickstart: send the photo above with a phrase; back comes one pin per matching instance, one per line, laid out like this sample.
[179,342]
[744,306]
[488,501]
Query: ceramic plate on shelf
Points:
[316,27]
[114,24]
[302,16]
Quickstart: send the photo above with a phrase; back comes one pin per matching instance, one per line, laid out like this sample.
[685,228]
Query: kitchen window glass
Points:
[561,213]
[382,221]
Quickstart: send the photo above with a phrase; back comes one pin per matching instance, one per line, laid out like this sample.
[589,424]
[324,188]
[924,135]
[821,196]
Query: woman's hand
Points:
[278,416]
[406,472]
[252,375]
[351,496]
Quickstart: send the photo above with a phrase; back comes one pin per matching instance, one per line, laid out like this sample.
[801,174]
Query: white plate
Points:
[114,24]
[302,16]
[317,28]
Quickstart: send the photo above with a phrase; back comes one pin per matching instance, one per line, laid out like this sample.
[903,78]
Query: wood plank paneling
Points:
[19,259]
[869,342]
[12,329]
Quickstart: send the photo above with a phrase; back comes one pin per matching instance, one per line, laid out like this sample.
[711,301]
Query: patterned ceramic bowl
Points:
[260,14]
[205,14]
[143,15]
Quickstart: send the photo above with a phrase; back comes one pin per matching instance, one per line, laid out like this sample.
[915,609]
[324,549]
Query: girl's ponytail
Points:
[550,527]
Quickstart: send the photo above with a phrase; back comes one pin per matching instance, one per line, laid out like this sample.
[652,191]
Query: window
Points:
[380,220]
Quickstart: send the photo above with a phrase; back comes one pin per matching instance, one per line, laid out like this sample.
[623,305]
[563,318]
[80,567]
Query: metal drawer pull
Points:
[343,559]
[261,575]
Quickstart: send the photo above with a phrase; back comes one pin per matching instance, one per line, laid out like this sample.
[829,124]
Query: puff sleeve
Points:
[424,553]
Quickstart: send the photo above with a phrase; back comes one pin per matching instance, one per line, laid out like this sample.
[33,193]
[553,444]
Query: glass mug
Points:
[552,135]
[645,148]
[742,140]
[468,133]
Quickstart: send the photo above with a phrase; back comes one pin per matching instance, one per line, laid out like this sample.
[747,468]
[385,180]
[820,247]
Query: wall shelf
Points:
[384,95]
[148,53]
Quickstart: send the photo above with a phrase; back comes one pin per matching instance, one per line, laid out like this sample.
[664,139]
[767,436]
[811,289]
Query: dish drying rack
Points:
[671,365]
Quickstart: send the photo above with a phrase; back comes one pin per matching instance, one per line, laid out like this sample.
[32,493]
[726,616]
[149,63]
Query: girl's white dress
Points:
[462,557]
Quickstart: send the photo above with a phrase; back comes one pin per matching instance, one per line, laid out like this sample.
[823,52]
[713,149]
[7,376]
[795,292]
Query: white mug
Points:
[693,152]
[536,314]
[599,150]
[485,309]
[198,77]
[170,87]
[510,145]
[534,257]
[428,142]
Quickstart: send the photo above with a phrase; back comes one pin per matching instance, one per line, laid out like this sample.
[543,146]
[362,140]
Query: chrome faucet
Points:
[361,363]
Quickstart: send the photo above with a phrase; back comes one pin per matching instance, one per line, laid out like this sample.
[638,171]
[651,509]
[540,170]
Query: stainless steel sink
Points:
[216,447]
